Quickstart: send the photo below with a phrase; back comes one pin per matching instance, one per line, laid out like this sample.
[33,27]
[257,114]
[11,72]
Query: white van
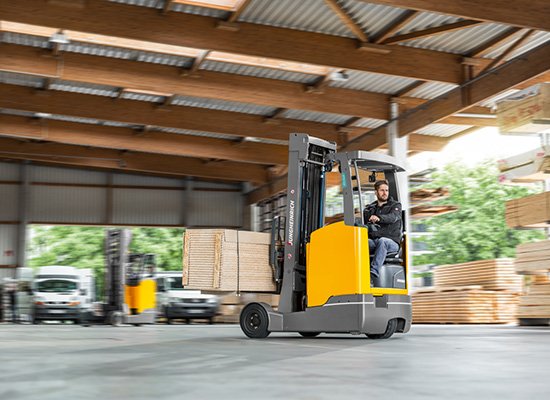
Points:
[175,302]
[62,293]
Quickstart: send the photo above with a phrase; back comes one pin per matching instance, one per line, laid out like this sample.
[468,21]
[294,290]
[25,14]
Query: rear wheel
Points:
[115,318]
[309,334]
[390,330]
[254,321]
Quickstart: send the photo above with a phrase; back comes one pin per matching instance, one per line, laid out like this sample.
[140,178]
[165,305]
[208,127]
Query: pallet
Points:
[535,303]
[498,274]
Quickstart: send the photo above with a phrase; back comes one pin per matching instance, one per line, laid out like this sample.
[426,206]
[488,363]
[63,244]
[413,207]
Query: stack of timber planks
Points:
[533,258]
[463,305]
[529,212]
[477,292]
[534,304]
[233,303]
[227,260]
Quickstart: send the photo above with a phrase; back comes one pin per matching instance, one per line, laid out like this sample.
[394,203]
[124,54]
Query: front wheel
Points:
[390,330]
[255,321]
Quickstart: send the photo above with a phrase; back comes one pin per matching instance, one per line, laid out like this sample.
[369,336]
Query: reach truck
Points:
[323,270]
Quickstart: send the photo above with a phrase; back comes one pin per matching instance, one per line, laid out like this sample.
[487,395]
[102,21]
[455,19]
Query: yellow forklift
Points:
[130,286]
[323,270]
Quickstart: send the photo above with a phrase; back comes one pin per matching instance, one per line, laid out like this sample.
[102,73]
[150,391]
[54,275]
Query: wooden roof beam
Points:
[513,73]
[510,49]
[431,32]
[129,161]
[234,16]
[347,19]
[143,113]
[146,140]
[522,13]
[166,79]
[195,31]
[394,27]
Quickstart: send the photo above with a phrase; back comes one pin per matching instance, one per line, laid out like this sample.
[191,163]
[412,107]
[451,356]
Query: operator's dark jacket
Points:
[390,219]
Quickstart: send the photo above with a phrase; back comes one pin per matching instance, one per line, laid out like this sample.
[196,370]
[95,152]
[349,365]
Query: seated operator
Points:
[385,212]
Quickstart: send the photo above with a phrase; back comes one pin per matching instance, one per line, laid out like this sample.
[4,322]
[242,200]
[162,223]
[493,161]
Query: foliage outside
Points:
[477,231]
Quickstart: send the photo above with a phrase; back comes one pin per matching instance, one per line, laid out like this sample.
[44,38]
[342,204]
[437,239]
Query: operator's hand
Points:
[374,219]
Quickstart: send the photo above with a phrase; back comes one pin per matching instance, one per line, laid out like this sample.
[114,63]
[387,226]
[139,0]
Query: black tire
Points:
[309,334]
[210,321]
[169,321]
[254,321]
[116,318]
[35,321]
[390,330]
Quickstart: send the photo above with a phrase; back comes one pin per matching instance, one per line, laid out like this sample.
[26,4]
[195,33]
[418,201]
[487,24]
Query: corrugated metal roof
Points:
[373,18]
[84,88]
[13,78]
[144,3]
[143,97]
[369,123]
[126,54]
[205,12]
[461,41]
[431,90]
[259,72]
[373,82]
[442,130]
[537,39]
[425,20]
[24,40]
[327,118]
[304,15]
[214,104]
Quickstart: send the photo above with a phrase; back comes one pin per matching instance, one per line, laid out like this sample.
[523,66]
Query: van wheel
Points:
[390,330]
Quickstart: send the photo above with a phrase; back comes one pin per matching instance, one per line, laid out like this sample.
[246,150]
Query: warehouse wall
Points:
[81,197]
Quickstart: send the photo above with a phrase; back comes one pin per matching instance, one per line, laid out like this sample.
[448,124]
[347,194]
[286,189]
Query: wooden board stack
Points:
[496,274]
[227,260]
[533,258]
[529,212]
[535,304]
[232,304]
[463,305]
[477,292]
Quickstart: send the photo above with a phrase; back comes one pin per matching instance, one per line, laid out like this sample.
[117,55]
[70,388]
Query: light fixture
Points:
[339,76]
[59,37]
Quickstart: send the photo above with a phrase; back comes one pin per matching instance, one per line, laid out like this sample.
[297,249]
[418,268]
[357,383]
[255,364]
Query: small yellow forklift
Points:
[323,270]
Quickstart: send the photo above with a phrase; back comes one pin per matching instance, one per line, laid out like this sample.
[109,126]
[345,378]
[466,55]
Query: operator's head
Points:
[382,190]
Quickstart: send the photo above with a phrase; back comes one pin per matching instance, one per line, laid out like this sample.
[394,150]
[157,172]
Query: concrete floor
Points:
[217,362]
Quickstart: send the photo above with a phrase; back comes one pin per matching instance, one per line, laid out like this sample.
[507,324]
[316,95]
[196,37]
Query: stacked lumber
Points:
[533,258]
[232,305]
[529,212]
[536,302]
[227,260]
[498,274]
[477,292]
[463,305]
[429,195]
[428,211]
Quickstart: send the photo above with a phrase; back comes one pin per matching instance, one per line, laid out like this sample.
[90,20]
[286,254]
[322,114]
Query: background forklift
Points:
[129,284]
[323,271]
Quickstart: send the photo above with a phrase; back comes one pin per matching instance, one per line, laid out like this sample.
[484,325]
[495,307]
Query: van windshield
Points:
[174,283]
[56,285]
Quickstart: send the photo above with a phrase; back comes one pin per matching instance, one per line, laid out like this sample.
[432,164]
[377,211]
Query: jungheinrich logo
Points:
[291,223]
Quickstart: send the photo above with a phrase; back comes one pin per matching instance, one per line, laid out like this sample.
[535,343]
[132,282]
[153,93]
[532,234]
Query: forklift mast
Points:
[117,243]
[308,161]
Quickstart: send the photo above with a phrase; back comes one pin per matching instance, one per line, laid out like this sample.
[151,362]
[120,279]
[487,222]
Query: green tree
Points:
[477,231]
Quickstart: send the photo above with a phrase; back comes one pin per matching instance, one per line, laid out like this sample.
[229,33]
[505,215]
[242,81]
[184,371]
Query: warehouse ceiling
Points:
[213,88]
